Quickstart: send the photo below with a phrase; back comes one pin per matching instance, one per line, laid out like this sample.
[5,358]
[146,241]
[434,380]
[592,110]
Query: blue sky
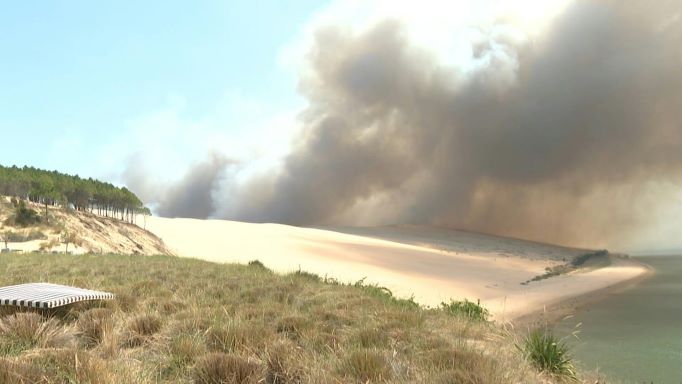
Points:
[76,75]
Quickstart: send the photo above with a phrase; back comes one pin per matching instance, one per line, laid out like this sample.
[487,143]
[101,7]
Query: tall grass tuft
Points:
[94,325]
[25,330]
[283,365]
[141,328]
[365,366]
[66,365]
[221,368]
[369,337]
[548,354]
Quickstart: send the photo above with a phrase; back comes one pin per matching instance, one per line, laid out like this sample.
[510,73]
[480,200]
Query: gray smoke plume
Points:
[558,139]
[193,196]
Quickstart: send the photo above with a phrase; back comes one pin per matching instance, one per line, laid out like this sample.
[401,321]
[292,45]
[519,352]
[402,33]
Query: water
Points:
[635,336]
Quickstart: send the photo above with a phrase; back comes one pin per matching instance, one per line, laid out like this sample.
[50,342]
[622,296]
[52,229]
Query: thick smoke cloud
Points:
[193,196]
[561,138]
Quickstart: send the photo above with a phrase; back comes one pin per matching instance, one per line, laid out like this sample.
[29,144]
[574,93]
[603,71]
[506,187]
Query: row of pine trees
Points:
[52,188]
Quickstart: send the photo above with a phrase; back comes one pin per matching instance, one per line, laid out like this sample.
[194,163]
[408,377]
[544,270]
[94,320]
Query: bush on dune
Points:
[23,216]
[467,309]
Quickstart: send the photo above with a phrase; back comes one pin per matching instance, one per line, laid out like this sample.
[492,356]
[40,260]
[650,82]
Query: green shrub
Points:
[571,266]
[24,216]
[548,353]
[466,308]
[257,264]
[582,259]
[385,294]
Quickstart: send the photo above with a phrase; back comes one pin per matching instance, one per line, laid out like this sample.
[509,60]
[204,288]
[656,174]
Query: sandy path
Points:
[437,266]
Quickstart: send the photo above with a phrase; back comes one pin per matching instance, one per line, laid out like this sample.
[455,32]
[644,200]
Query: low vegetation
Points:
[23,216]
[579,261]
[466,309]
[180,320]
[22,236]
[549,354]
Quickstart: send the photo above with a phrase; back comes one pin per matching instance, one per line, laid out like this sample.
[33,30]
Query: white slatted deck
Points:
[46,295]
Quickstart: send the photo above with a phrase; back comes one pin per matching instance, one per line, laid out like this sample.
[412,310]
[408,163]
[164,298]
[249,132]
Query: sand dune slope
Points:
[96,234]
[432,264]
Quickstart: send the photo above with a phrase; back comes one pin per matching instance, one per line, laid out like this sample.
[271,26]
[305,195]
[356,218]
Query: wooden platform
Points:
[46,295]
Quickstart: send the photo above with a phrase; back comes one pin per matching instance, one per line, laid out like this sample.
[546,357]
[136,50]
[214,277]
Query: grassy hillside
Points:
[185,320]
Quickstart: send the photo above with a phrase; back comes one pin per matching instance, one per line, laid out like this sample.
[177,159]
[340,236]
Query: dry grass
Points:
[56,366]
[365,366]
[283,364]
[94,325]
[221,368]
[188,321]
[26,330]
[141,328]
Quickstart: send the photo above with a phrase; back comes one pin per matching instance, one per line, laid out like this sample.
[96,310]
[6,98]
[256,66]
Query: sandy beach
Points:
[431,264]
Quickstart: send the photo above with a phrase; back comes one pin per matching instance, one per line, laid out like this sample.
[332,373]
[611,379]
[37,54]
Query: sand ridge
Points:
[432,264]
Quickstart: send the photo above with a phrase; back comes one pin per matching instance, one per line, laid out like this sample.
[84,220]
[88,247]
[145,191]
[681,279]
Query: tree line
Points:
[52,188]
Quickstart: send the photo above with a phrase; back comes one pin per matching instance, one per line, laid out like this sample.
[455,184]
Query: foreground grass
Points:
[548,353]
[188,321]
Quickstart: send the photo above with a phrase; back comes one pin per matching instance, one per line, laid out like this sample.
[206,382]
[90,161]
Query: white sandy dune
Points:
[432,264]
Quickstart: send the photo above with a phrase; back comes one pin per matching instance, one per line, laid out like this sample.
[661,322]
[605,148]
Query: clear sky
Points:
[81,80]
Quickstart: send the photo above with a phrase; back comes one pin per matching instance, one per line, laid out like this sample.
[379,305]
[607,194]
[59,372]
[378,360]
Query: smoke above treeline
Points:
[562,138]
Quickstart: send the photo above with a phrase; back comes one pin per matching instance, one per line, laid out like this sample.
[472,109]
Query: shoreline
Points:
[431,265]
[557,311]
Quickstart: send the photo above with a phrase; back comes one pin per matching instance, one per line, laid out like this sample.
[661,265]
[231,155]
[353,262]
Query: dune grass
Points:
[549,354]
[181,320]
